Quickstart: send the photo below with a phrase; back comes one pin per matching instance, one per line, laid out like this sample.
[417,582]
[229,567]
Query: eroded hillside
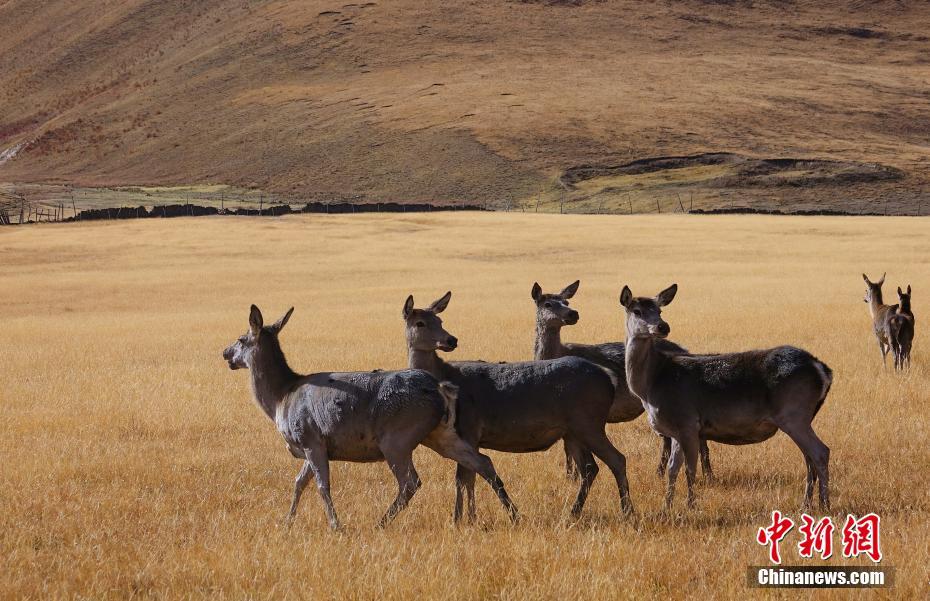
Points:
[471,101]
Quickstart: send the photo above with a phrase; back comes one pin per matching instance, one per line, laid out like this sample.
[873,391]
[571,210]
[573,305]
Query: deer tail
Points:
[450,394]
[826,377]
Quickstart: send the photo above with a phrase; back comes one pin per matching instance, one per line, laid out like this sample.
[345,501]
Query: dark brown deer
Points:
[901,327]
[881,315]
[520,407]
[736,398]
[552,313]
[354,416]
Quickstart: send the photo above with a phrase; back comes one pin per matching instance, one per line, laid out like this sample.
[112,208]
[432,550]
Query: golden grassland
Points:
[136,465]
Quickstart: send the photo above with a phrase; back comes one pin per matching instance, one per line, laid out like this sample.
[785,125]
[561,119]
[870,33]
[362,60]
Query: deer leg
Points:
[675,460]
[587,468]
[300,483]
[449,445]
[319,463]
[601,446]
[664,455]
[817,453]
[690,446]
[705,462]
[408,482]
[811,479]
[571,467]
[464,487]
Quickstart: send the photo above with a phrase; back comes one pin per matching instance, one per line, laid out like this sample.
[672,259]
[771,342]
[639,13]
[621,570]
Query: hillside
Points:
[474,101]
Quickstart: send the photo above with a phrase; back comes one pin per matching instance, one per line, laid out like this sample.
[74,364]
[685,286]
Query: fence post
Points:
[561,202]
[680,204]
[538,195]
[658,209]
[261,203]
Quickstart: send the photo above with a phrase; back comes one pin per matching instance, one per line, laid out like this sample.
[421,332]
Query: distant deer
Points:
[520,407]
[553,312]
[881,315]
[738,398]
[354,416]
[901,326]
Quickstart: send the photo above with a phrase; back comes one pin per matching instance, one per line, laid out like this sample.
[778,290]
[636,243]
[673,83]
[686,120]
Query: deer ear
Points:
[255,320]
[666,296]
[899,291]
[440,305]
[908,288]
[536,292]
[570,290]
[881,281]
[866,278]
[408,307]
[626,295]
[279,325]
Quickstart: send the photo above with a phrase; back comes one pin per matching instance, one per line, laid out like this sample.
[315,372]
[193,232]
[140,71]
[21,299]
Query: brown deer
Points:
[736,398]
[354,416]
[901,326]
[523,407]
[552,313]
[881,315]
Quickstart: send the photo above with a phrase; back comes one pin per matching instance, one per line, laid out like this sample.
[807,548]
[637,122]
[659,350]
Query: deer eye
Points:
[637,313]
[547,305]
[420,324]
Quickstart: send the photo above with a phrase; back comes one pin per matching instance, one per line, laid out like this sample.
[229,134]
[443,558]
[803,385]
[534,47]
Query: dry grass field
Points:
[135,464]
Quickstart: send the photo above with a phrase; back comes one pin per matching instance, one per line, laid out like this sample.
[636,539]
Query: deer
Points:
[552,313]
[354,416]
[736,398]
[901,327]
[522,407]
[882,316]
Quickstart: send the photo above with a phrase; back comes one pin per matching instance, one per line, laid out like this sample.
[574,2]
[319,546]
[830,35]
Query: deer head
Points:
[424,329]
[644,314]
[552,310]
[243,352]
[873,290]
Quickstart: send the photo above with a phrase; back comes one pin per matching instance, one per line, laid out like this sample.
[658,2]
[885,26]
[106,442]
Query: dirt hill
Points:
[802,103]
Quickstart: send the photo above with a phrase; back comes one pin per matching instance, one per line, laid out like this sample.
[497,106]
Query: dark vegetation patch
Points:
[746,172]
[189,210]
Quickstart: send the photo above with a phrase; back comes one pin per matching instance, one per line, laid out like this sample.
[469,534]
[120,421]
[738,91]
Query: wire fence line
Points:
[55,203]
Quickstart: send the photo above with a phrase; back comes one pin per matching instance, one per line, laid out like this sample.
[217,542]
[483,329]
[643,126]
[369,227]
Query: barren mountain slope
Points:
[463,101]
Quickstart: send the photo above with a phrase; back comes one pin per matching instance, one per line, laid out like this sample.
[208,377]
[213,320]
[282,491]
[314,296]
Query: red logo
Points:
[772,535]
[860,536]
[818,536]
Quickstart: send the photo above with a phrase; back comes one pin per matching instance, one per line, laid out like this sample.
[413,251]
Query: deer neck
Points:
[905,307]
[426,360]
[548,343]
[272,378]
[876,304]
[642,362]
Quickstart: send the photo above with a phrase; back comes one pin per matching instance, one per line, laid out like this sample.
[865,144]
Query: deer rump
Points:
[354,411]
[739,397]
[528,406]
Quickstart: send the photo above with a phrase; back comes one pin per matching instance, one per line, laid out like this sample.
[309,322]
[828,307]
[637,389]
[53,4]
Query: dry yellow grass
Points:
[136,465]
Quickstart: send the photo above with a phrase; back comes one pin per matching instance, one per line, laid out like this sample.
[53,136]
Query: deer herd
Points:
[569,392]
